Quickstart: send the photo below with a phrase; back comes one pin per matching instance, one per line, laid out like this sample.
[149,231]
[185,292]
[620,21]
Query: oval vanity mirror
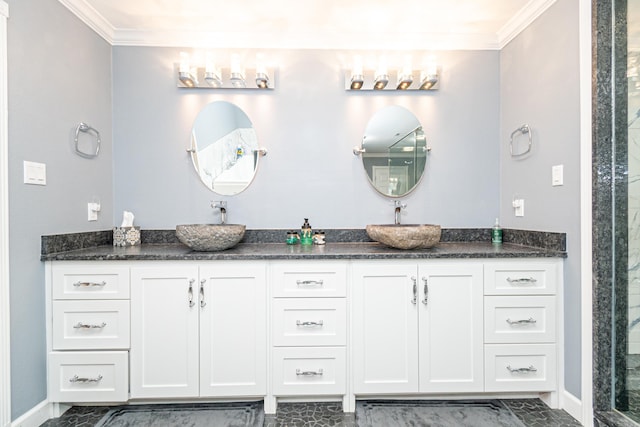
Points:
[394,151]
[224,148]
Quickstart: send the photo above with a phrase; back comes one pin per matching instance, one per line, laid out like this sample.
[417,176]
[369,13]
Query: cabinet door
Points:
[164,331]
[451,313]
[233,346]
[385,328]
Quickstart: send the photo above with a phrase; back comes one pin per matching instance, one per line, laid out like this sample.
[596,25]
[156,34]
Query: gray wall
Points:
[309,124]
[539,85]
[59,75]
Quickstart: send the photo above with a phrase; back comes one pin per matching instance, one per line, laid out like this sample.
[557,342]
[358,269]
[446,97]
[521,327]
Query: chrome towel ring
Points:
[85,128]
[524,130]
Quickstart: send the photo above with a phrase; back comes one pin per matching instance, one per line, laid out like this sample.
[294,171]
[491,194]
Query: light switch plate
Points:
[557,175]
[35,173]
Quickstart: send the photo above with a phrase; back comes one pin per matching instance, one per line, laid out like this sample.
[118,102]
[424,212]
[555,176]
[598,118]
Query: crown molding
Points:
[92,18]
[333,41]
[522,20]
[407,41]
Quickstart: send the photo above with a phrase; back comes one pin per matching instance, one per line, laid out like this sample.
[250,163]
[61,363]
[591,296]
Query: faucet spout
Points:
[223,216]
[399,206]
[222,205]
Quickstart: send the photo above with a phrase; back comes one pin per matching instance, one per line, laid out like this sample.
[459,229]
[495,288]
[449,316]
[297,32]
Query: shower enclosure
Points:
[627,286]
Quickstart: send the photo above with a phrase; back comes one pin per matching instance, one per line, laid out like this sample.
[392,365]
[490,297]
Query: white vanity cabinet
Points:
[521,325]
[417,327]
[321,329]
[198,330]
[89,335]
[308,329]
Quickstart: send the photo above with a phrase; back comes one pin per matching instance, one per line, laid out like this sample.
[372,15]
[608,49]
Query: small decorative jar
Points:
[292,238]
[318,238]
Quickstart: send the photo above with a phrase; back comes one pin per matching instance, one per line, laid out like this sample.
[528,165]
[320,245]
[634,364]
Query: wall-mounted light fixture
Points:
[380,79]
[211,75]
[185,74]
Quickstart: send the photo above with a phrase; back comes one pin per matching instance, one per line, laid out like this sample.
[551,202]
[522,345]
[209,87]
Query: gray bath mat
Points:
[491,413]
[192,415]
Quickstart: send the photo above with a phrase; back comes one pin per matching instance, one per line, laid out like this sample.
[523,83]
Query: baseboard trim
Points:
[35,416]
[572,405]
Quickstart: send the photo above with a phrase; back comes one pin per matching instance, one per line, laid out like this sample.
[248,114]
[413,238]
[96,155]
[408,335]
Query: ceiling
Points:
[314,24]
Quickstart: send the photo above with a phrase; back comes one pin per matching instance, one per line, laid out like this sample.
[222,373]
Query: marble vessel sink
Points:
[210,237]
[405,236]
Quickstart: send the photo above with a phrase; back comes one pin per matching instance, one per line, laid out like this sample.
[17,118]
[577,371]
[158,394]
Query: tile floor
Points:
[532,413]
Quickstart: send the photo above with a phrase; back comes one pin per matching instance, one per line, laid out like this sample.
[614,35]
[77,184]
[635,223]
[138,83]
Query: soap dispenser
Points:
[496,233]
[305,233]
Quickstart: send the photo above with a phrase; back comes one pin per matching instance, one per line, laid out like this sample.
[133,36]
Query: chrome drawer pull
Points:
[317,373]
[190,292]
[309,282]
[528,370]
[80,325]
[528,321]
[202,301]
[89,284]
[425,300]
[77,379]
[522,281]
[414,300]
[318,323]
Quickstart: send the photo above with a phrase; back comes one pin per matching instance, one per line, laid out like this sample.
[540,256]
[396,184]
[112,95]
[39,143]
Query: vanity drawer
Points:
[90,282]
[530,367]
[515,319]
[520,278]
[309,322]
[310,279]
[88,376]
[90,324]
[309,371]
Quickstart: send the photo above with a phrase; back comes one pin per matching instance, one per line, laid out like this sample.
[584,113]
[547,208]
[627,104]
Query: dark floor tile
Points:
[79,416]
[534,413]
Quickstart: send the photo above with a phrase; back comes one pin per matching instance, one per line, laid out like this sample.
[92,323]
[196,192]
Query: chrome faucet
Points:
[222,205]
[399,206]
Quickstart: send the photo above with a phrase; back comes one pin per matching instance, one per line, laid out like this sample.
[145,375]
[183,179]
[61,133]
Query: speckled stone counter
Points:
[342,244]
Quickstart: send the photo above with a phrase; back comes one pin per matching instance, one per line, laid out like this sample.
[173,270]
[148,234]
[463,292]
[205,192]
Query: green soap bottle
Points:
[496,233]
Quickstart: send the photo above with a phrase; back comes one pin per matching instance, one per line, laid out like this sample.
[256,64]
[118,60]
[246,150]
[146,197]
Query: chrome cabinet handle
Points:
[414,300]
[89,284]
[80,325]
[530,320]
[202,302]
[309,282]
[318,323]
[190,292]
[425,300]
[522,281]
[77,379]
[528,370]
[317,373]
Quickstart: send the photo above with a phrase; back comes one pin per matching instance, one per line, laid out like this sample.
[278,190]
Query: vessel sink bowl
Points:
[210,237]
[405,236]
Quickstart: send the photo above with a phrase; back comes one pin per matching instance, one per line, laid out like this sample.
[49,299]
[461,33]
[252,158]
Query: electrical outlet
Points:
[518,206]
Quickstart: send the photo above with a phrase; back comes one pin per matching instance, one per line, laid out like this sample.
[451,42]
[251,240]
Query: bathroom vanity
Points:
[158,323]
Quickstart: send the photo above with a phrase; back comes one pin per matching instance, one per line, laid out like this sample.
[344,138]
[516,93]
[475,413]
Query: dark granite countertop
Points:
[342,244]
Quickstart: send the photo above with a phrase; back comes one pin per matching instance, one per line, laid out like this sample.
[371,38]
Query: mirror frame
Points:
[389,137]
[256,150]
